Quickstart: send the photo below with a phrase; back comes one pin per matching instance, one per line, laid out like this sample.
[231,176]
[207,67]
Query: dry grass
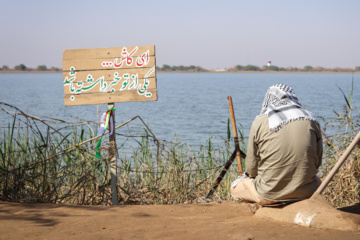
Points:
[344,189]
[51,161]
[54,161]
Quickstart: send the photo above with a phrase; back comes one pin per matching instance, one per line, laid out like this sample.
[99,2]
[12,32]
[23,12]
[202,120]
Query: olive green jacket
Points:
[284,163]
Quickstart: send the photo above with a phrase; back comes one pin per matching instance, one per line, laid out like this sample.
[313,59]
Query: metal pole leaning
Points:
[223,172]
[339,163]
[236,139]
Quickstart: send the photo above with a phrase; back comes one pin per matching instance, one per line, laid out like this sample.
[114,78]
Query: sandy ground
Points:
[227,220]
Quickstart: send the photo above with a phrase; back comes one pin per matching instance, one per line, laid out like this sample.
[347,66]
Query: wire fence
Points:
[51,160]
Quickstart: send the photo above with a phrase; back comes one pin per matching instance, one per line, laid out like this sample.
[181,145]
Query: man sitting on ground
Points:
[284,152]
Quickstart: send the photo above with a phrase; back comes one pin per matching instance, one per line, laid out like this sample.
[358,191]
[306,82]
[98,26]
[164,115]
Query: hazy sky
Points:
[211,34]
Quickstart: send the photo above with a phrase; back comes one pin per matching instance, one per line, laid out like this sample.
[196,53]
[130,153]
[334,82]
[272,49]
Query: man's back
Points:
[285,162]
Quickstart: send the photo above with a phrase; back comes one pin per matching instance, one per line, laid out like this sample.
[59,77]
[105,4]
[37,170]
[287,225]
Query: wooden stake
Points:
[113,161]
[237,153]
[233,124]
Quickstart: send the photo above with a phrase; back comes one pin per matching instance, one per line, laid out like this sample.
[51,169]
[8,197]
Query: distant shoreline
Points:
[263,72]
[218,72]
[31,71]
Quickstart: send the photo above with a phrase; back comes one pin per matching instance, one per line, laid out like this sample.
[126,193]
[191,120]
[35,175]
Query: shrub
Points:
[20,67]
[42,68]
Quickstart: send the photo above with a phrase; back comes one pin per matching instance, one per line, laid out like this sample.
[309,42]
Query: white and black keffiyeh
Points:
[282,106]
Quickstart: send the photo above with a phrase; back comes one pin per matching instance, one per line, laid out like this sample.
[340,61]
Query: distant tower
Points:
[269,63]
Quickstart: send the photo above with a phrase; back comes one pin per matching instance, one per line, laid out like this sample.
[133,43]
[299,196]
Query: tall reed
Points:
[344,189]
[39,163]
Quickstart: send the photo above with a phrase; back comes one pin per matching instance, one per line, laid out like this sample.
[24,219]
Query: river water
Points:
[191,106]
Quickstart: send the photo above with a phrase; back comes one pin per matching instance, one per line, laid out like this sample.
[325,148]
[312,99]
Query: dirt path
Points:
[227,220]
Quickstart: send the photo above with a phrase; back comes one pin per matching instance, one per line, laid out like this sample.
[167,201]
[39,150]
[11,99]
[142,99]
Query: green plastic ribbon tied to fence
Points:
[109,114]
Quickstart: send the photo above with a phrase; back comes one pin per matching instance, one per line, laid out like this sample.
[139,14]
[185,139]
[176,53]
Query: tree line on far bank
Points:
[274,68]
[253,68]
[192,68]
[22,67]
[181,68]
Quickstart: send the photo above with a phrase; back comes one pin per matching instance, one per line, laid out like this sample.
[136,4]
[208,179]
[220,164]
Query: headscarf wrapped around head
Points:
[282,106]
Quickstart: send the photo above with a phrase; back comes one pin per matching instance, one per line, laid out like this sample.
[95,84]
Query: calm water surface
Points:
[190,106]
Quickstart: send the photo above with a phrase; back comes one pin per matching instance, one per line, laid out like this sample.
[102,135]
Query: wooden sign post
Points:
[109,75]
[113,160]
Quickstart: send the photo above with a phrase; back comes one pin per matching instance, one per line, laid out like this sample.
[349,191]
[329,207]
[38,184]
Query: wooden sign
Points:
[109,75]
